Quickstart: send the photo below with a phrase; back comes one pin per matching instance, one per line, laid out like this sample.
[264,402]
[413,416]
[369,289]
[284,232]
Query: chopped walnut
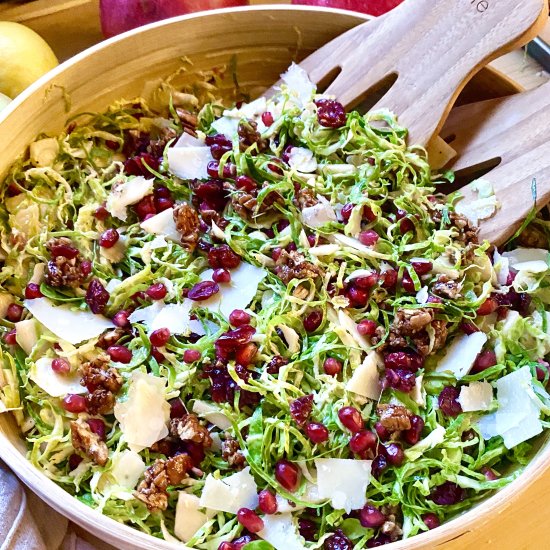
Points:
[249,135]
[244,204]
[292,265]
[305,197]
[188,428]
[410,321]
[392,527]
[439,334]
[88,443]
[394,417]
[62,271]
[468,232]
[100,401]
[110,338]
[189,120]
[187,225]
[157,478]
[447,288]
[103,382]
[232,454]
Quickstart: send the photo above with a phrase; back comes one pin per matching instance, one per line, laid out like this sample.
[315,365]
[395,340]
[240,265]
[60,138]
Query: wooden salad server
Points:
[433,47]
[514,133]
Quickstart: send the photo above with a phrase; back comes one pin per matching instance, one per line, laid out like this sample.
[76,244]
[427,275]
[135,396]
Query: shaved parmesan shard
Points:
[187,140]
[127,468]
[343,481]
[231,493]
[162,224]
[116,253]
[226,125]
[212,414]
[281,532]
[74,326]
[501,265]
[26,335]
[298,83]
[476,396]
[56,385]
[236,294]
[143,417]
[483,207]
[302,160]
[319,214]
[348,324]
[174,317]
[435,437]
[127,193]
[189,519]
[365,380]
[461,354]
[189,163]
[291,337]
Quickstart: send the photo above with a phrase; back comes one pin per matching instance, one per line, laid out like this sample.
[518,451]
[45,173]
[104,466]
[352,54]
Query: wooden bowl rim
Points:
[89,518]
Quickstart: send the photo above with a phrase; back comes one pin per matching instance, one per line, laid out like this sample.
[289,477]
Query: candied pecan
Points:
[61,271]
[410,321]
[189,120]
[110,338]
[439,334]
[394,418]
[447,288]
[532,237]
[248,135]
[188,428]
[100,401]
[232,454]
[187,225]
[468,232]
[244,204]
[88,443]
[156,146]
[304,197]
[292,265]
[102,381]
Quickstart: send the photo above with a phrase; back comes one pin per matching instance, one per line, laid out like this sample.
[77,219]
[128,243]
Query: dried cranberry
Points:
[236,338]
[380,540]
[351,418]
[317,432]
[366,327]
[407,360]
[74,403]
[74,461]
[406,225]
[120,319]
[542,370]
[338,541]
[287,474]
[159,337]
[362,441]
[379,464]
[32,291]
[250,520]
[330,113]
[191,355]
[313,320]
[346,211]
[119,354]
[367,210]
[431,520]
[448,401]
[222,256]
[413,434]
[10,337]
[447,494]
[14,313]
[246,355]
[407,283]
[162,192]
[371,517]
[422,267]
[332,366]
[301,408]
[394,454]
[97,426]
[366,281]
[307,529]
[177,408]
[145,207]
[203,290]
[157,291]
[221,275]
[229,170]
[86,267]
[468,328]
[275,364]
[64,250]
[369,237]
[489,473]
[96,296]
[162,204]
[276,253]
[139,165]
[487,307]
[109,238]
[484,360]
[246,183]
[213,194]
[61,366]
[388,279]
[239,317]
[400,379]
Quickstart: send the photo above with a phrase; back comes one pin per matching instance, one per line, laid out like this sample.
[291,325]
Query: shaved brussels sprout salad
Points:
[264,326]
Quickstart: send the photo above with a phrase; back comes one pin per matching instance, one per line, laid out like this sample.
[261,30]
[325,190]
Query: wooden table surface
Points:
[523,523]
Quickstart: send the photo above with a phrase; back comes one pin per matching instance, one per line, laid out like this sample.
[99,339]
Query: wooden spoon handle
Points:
[432,47]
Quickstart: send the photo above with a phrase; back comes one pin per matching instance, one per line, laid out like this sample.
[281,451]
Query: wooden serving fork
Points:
[514,134]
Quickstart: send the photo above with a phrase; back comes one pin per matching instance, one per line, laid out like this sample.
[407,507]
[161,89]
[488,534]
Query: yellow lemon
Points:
[24,57]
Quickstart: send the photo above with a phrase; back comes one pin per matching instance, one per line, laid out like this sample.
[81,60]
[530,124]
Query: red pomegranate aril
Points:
[542,369]
[267,502]
[177,408]
[101,213]
[162,204]
[61,366]
[157,355]
[379,464]
[407,283]
[96,296]
[332,366]
[330,113]
[157,291]
[381,431]
[276,253]
[74,403]
[394,454]
[145,207]
[338,541]
[191,355]
[358,297]
[250,520]
[484,360]
[246,183]
[448,401]
[301,408]
[366,327]
[447,494]
[245,355]
[267,118]
[14,313]
[317,432]
[120,318]
[203,290]
[369,237]
[162,192]
[422,267]
[487,307]
[351,418]
[287,474]
[221,275]
[406,225]
[414,433]
[64,250]
[32,291]
[368,213]
[371,517]
[431,520]
[362,441]
[313,320]
[366,281]
[10,338]
[346,211]
[223,256]
[97,426]
[160,337]
[119,354]
[468,328]
[388,279]
[407,360]
[109,238]
[239,317]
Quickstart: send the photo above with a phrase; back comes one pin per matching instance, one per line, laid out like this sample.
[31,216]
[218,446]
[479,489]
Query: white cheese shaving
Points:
[422,295]
[435,437]
[357,274]
[44,151]
[476,396]
[302,160]
[212,414]
[126,193]
[56,385]
[116,253]
[343,481]
[230,494]
[348,324]
[461,354]
[292,338]
[226,125]
[501,267]
[174,317]
[365,380]
[143,417]
[318,214]
[534,266]
[299,84]
[189,162]
[162,224]
[189,519]
[127,468]
[187,140]
[281,532]
[74,326]
[26,335]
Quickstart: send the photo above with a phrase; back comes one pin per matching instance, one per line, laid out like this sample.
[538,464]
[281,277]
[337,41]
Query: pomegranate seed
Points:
[330,113]
[250,520]
[96,296]
[406,225]
[362,441]
[14,313]
[101,213]
[32,291]
[317,432]
[162,204]
[351,418]
[162,192]
[74,403]
[191,355]
[447,494]
[245,356]
[109,238]
[74,461]
[394,454]
[119,354]
[223,256]
[267,118]
[157,355]
[239,317]
[300,409]
[357,297]
[61,366]
[422,267]
[10,339]
[307,529]
[139,297]
[407,360]
[276,253]
[64,250]
[381,431]
[159,337]
[379,464]
[413,434]
[332,366]
[487,307]
[468,328]
[371,517]
[407,283]
[367,281]
[366,327]
[400,379]
[369,237]
[313,320]
[484,360]
[267,502]
[291,247]
[145,207]
[431,520]
[120,319]
[368,213]
[389,279]
[448,401]
[542,370]
[241,542]
[203,290]
[246,183]
[346,211]
[338,541]
[97,426]
[157,291]
[86,267]
[287,474]
[312,240]
[177,408]
[229,170]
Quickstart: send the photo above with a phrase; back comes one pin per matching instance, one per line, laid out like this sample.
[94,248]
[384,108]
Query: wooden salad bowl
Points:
[261,42]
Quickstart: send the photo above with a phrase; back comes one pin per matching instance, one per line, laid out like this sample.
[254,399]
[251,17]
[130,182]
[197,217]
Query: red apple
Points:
[121,15]
[372,7]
